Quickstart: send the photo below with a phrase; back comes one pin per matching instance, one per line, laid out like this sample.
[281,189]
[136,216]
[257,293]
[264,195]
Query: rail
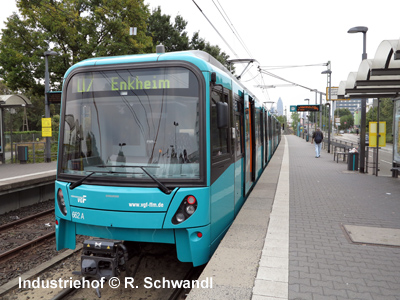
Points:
[346,146]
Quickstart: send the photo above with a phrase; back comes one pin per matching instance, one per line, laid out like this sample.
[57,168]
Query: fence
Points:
[347,145]
[35,144]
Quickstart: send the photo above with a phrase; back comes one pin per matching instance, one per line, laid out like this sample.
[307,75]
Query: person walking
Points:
[317,137]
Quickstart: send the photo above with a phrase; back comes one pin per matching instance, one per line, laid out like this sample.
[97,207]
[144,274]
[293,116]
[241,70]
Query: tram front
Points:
[131,162]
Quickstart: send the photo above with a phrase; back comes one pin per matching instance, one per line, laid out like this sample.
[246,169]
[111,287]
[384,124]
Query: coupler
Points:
[103,259]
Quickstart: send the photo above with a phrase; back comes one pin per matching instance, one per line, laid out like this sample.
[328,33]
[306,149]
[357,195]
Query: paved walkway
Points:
[306,253]
[323,262]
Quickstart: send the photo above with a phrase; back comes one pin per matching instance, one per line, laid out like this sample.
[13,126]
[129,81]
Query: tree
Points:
[340,112]
[346,118]
[346,121]
[198,43]
[76,29]
[4,90]
[295,121]
[172,36]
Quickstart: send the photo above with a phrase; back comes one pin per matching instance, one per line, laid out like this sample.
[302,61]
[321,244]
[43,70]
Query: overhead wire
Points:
[237,35]
[286,80]
[261,69]
[232,27]
[292,66]
[233,51]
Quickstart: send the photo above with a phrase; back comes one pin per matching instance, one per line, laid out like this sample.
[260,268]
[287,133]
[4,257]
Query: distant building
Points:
[279,107]
[351,104]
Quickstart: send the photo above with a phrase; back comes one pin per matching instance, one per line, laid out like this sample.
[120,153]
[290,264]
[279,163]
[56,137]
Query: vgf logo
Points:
[81,199]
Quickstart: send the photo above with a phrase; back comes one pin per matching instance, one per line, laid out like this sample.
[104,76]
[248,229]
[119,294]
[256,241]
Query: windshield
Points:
[117,120]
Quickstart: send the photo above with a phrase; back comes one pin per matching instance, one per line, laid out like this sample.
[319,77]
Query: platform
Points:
[289,241]
[26,184]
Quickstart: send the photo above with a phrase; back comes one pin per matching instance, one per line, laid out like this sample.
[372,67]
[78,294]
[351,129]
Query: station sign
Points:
[54,97]
[334,94]
[46,132]
[307,107]
[293,108]
[46,127]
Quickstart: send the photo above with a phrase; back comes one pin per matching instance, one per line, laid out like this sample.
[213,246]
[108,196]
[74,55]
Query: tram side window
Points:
[239,147]
[219,136]
[239,135]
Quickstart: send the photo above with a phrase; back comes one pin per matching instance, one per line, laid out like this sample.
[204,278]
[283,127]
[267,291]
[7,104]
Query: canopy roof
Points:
[7,101]
[376,78]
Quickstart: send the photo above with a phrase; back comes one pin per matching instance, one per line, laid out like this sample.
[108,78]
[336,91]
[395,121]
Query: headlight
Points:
[61,202]
[185,210]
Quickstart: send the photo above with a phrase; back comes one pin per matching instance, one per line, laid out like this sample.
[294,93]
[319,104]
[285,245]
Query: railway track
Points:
[15,251]
[145,274]
[179,292]
[32,228]
[26,219]
[26,243]
[159,263]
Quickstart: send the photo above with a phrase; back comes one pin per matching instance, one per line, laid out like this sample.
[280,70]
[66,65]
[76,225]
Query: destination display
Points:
[129,80]
[307,107]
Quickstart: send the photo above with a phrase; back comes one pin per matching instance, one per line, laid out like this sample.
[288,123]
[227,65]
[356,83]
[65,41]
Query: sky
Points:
[303,34]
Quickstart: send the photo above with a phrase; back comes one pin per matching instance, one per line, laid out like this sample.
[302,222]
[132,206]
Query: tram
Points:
[157,148]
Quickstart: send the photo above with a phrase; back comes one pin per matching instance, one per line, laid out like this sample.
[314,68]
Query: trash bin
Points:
[307,138]
[352,162]
[22,154]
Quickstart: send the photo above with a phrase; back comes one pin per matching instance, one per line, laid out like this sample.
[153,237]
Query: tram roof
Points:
[201,59]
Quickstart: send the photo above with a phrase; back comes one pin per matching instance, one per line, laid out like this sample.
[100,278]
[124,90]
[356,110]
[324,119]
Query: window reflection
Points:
[106,124]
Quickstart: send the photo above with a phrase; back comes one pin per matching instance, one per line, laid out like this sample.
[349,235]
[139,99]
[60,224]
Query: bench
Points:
[336,153]
[344,153]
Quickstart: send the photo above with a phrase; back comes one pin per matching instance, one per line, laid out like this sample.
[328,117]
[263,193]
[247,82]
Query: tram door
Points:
[250,143]
[265,138]
[238,103]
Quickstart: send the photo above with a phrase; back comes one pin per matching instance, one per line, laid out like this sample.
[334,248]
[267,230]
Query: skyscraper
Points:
[279,107]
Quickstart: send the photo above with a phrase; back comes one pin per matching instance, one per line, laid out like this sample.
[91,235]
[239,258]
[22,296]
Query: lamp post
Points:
[320,112]
[308,121]
[329,127]
[364,30]
[315,114]
[329,74]
[363,121]
[46,101]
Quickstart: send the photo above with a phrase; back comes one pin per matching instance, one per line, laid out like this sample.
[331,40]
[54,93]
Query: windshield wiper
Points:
[79,182]
[161,186]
